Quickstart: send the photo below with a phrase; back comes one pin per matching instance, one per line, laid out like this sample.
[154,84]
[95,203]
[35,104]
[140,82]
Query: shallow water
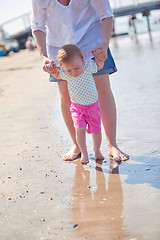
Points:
[136,88]
[43,197]
[123,202]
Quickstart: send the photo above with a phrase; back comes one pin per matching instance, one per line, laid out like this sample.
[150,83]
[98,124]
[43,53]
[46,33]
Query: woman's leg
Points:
[65,108]
[108,115]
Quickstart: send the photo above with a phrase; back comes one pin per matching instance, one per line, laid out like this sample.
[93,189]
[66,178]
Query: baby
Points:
[84,108]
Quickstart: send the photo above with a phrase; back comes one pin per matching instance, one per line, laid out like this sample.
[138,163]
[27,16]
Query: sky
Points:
[13,8]
[10,9]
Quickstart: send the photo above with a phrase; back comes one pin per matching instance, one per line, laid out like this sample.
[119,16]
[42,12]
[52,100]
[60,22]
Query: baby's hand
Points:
[48,65]
[55,71]
[100,52]
[99,57]
[97,51]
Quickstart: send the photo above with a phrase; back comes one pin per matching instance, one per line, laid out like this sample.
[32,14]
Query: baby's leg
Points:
[81,140]
[97,139]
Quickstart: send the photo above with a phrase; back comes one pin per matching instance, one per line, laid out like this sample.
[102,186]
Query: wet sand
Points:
[42,197]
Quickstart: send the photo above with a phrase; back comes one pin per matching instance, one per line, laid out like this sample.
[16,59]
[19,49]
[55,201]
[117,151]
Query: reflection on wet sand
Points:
[98,215]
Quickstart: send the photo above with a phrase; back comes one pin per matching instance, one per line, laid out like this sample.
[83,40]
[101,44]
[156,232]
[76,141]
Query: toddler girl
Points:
[84,108]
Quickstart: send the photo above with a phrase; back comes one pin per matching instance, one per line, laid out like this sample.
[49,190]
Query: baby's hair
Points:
[67,52]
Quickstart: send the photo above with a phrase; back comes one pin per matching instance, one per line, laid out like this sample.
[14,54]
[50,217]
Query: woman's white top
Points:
[70,24]
[82,89]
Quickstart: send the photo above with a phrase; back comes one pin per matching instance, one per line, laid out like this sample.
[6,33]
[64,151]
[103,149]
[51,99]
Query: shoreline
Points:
[43,197]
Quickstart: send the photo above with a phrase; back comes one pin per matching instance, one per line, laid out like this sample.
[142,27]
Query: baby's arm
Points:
[55,71]
[99,58]
[100,64]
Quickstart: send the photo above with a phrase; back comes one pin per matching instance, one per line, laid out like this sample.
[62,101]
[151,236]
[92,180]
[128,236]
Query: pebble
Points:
[103,202]
[147,169]
[43,220]
[75,225]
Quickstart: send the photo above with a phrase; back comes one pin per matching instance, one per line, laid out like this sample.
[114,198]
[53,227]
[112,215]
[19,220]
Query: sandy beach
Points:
[45,198]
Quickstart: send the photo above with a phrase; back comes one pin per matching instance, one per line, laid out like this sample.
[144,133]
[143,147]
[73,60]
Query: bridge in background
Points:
[138,8]
[120,8]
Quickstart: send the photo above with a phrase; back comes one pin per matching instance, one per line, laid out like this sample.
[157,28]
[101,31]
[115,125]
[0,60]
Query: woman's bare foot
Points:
[99,156]
[84,158]
[73,154]
[115,153]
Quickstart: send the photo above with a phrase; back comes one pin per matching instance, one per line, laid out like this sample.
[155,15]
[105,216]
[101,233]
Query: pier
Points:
[134,9]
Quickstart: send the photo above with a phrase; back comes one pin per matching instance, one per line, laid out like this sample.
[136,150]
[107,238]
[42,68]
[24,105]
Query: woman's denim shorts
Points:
[109,67]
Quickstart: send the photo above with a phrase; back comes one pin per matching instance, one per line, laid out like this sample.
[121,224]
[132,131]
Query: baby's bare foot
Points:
[99,156]
[84,159]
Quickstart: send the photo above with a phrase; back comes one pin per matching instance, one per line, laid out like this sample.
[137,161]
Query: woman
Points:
[88,24]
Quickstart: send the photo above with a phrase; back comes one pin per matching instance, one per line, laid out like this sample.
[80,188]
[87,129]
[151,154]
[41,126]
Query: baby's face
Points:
[74,67]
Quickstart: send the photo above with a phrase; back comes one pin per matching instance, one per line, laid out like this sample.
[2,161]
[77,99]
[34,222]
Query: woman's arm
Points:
[107,28]
[39,32]
[40,39]
[105,13]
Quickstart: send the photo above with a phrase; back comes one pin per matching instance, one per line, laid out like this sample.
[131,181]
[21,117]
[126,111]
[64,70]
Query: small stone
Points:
[75,225]
[147,169]
[43,220]
[103,202]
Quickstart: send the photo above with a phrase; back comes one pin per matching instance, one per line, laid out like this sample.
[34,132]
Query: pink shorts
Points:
[86,115]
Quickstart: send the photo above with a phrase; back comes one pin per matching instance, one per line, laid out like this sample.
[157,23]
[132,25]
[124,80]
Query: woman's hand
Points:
[48,65]
[100,52]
